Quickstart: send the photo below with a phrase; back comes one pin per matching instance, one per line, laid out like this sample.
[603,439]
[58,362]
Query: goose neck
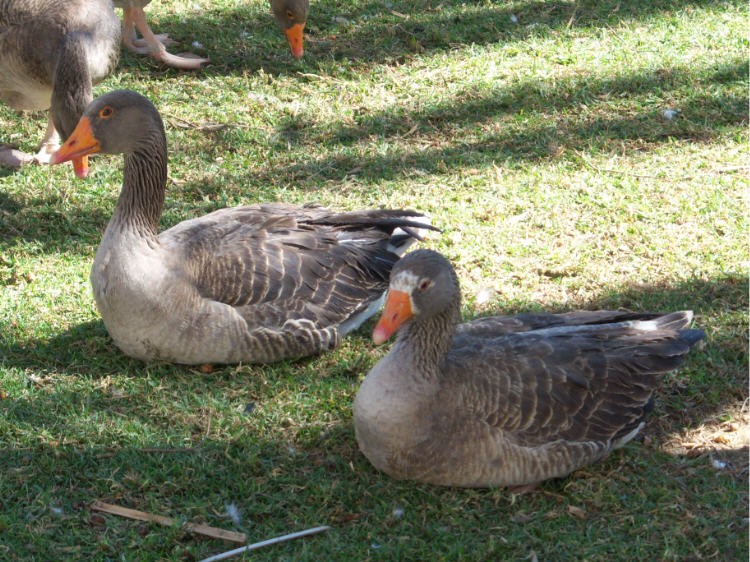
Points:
[142,197]
[428,340]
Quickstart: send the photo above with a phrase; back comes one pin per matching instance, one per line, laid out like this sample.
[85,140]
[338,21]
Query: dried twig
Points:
[257,545]
[181,123]
[168,522]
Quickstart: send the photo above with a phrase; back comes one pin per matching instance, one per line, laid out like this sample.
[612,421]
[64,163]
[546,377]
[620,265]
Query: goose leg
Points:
[12,158]
[134,43]
[525,489]
[50,143]
[135,18]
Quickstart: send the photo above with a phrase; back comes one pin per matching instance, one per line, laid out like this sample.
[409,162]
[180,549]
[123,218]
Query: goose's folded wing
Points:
[493,326]
[574,383]
[293,261]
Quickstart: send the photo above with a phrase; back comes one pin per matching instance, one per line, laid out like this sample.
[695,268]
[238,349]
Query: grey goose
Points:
[505,400]
[51,53]
[257,284]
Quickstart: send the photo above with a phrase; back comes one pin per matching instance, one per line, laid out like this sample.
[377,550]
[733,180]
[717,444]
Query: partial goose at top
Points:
[505,400]
[290,14]
[51,53]
[134,18]
[248,284]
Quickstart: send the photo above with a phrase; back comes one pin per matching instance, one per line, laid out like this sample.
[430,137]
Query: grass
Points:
[542,150]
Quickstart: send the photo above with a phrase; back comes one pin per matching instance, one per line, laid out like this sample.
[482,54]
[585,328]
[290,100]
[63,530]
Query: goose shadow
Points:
[716,371]
[702,119]
[247,38]
[59,225]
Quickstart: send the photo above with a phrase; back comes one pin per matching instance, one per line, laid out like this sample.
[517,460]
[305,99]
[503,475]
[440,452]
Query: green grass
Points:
[541,150]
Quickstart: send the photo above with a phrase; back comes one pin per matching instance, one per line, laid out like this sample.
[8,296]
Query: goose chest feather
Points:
[505,400]
[258,283]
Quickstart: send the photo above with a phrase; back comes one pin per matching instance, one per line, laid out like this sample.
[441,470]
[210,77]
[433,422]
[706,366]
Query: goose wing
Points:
[291,262]
[572,382]
[493,326]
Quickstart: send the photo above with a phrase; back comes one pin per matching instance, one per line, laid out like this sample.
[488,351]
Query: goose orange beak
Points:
[79,145]
[397,310]
[294,37]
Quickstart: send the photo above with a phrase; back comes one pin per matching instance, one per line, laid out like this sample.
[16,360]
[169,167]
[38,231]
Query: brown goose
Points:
[246,284]
[505,401]
[51,52]
[291,15]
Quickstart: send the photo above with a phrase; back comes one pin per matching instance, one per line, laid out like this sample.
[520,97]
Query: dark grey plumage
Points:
[252,284]
[506,401]
[51,52]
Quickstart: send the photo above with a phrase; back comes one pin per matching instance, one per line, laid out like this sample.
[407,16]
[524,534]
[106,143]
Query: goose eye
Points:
[424,284]
[290,14]
[106,112]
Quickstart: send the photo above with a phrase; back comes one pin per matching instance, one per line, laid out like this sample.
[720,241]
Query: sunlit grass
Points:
[540,146]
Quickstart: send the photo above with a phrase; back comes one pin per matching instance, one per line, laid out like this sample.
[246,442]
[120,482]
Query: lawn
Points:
[575,154]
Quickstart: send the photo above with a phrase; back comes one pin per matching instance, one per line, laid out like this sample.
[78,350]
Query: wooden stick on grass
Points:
[168,522]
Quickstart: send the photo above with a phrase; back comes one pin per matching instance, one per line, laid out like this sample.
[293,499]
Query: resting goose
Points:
[51,53]
[505,400]
[291,15]
[248,284]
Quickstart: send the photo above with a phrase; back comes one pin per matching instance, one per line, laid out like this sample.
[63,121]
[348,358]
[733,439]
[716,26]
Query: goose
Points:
[250,284]
[291,15]
[505,400]
[51,53]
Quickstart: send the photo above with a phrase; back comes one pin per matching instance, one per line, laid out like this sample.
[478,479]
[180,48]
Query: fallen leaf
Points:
[576,512]
[344,518]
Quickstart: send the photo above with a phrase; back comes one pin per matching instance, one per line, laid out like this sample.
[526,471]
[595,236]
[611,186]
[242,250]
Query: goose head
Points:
[423,285]
[119,122]
[292,16]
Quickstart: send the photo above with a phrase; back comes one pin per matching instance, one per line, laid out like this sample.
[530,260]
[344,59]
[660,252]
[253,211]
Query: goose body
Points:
[505,400]
[249,284]
[51,53]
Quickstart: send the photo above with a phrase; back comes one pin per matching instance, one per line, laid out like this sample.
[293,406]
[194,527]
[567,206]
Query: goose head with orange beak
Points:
[292,16]
[425,293]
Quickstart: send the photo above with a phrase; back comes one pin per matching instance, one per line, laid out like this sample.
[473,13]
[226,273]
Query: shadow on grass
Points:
[526,121]
[58,225]
[248,39]
[717,373]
